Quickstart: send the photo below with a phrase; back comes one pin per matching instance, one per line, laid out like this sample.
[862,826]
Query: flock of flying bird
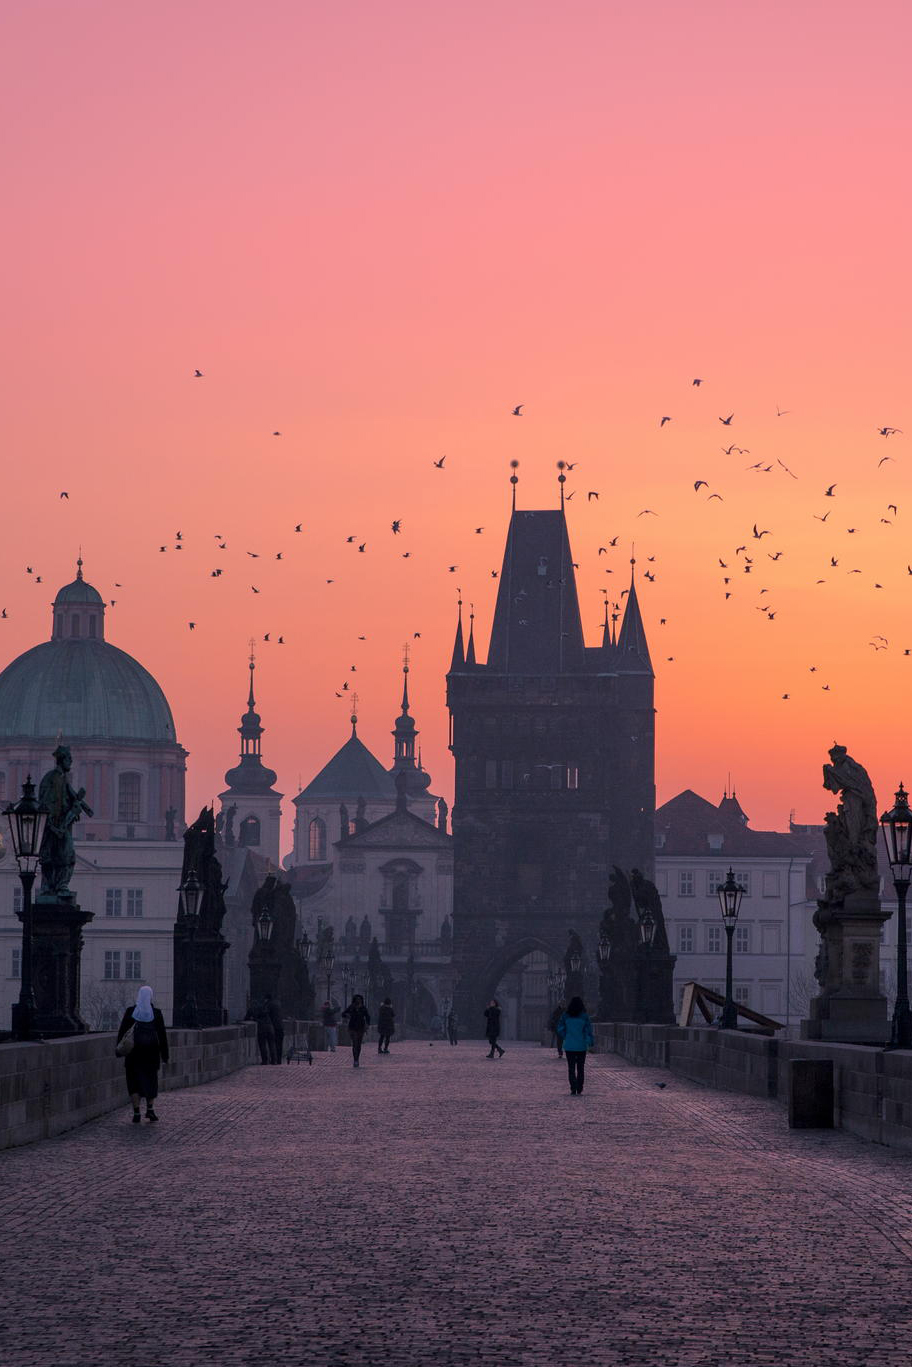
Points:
[738,562]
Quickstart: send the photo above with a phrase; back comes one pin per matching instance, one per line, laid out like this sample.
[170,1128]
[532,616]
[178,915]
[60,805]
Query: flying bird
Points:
[888,431]
[726,422]
[664,421]
[192,626]
[696,382]
[299,527]
[698,482]
[197,374]
[438,464]
[718,496]
[781,412]
[786,469]
[64,494]
[829,492]
[256,590]
[879,463]
[517,411]
[362,548]
[396,526]
[591,495]
[759,535]
[643,514]
[277,434]
[821,519]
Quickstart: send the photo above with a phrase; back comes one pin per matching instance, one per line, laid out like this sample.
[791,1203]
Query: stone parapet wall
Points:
[55,1085]
[873,1086]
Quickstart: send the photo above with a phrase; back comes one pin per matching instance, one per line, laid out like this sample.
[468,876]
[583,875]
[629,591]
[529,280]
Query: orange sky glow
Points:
[377,228]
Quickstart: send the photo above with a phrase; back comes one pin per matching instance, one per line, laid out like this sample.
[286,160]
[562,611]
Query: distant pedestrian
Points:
[552,1026]
[386,1024]
[278,1028]
[149,1051]
[259,1012]
[575,1030]
[452,1026]
[358,1018]
[492,1028]
[330,1026]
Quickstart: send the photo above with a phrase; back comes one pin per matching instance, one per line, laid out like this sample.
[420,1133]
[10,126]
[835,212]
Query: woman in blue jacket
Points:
[574,1029]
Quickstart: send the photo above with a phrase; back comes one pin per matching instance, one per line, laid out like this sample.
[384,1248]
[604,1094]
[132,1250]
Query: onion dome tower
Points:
[251,809]
[405,734]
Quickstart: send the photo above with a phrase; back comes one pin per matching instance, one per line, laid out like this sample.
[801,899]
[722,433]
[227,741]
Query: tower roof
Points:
[537,627]
[459,659]
[251,775]
[632,649]
[352,772]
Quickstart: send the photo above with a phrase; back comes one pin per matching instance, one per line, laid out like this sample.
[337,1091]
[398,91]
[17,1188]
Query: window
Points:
[769,937]
[17,899]
[685,883]
[506,773]
[128,790]
[112,963]
[249,833]
[490,773]
[742,939]
[16,962]
[316,839]
[660,840]
[741,993]
[572,775]
[91,626]
[74,624]
[714,879]
[770,882]
[134,901]
[685,939]
[133,964]
[743,879]
[113,902]
[715,842]
[713,939]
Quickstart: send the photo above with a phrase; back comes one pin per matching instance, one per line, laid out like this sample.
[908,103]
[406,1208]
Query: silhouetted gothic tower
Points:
[554,746]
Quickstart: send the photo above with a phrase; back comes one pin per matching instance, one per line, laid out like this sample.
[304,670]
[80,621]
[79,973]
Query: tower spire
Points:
[354,714]
[631,642]
[458,660]
[250,700]
[470,648]
[562,480]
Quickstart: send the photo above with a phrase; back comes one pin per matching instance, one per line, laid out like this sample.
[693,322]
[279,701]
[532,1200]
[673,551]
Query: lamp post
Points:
[730,894]
[896,825]
[325,967]
[190,893]
[27,820]
[264,927]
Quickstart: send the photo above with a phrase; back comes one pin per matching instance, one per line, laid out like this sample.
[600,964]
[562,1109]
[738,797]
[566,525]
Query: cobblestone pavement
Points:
[434,1207]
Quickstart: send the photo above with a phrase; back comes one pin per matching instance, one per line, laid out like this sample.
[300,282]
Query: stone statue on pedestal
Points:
[65,806]
[850,1006]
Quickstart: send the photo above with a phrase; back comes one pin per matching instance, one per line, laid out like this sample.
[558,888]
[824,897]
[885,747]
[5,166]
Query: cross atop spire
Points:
[79,564]
[354,713]
[514,480]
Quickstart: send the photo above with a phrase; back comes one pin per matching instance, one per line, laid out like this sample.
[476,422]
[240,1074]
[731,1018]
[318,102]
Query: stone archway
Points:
[517,976]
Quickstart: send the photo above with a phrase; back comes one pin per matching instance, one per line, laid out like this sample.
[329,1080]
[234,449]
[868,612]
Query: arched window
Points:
[128,794]
[74,624]
[91,626]
[249,833]
[316,842]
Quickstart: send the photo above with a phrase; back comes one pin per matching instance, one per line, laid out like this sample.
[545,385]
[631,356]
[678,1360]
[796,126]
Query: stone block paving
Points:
[435,1207]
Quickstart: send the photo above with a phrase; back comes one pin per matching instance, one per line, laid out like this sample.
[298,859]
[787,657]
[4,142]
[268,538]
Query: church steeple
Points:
[251,775]
[633,652]
[404,736]
[470,648]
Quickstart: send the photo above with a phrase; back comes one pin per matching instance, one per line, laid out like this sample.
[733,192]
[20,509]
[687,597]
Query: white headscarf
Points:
[142,1011]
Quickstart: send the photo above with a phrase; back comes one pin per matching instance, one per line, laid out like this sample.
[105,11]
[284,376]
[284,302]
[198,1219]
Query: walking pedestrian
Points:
[575,1030]
[259,1012]
[330,1026]
[492,1028]
[552,1026]
[358,1018]
[452,1025]
[277,1021]
[149,1051]
[386,1024]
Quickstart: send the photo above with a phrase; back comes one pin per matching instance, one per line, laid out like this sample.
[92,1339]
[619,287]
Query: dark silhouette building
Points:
[554,748]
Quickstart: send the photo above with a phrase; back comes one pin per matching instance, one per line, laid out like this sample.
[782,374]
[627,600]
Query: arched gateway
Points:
[554,749]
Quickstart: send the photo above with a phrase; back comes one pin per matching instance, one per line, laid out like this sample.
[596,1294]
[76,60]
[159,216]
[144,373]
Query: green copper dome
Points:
[80,687]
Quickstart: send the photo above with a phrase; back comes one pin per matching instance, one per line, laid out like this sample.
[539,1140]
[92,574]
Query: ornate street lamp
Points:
[603,949]
[27,820]
[191,893]
[896,825]
[730,894]
[264,927]
[647,929]
[325,966]
[576,963]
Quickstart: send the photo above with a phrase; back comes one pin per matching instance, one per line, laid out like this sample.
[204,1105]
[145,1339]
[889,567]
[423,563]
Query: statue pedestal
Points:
[850,1008]
[56,955]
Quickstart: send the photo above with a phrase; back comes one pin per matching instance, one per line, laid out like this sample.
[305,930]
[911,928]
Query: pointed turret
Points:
[537,627]
[459,659]
[632,650]
[470,648]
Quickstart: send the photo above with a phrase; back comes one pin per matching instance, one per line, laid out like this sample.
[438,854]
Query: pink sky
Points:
[376,229]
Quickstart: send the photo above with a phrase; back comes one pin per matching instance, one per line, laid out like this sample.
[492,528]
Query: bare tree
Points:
[103,1004]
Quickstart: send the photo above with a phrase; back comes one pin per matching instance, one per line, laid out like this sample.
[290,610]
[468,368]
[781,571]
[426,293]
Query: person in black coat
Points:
[259,1012]
[386,1024]
[492,1028]
[358,1019]
[277,1022]
[149,1052]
